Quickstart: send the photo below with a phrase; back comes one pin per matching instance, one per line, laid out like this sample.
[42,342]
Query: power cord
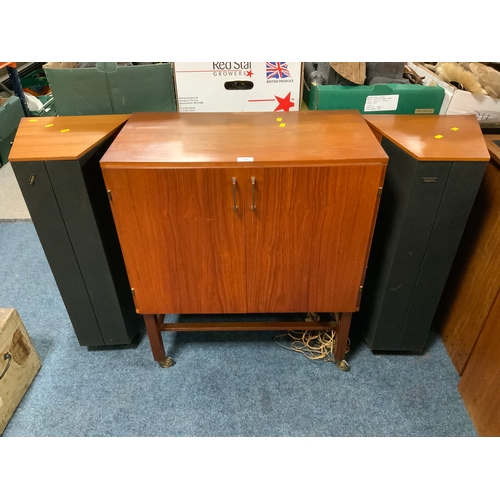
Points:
[313,344]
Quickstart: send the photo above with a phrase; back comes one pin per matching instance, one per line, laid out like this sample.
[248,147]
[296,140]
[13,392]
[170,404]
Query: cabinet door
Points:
[182,240]
[308,237]
[481,379]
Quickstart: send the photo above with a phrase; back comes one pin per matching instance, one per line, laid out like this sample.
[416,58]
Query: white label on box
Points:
[244,158]
[381,103]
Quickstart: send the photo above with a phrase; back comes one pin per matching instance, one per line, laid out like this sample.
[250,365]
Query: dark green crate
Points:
[36,78]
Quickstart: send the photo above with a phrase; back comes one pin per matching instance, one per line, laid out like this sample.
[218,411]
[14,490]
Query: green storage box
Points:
[403,99]
[11,112]
[111,89]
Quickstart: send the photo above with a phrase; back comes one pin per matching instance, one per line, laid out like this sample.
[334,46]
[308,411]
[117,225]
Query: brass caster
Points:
[166,363]
[342,364]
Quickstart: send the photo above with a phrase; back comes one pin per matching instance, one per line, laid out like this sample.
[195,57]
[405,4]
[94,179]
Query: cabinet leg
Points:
[341,341]
[154,333]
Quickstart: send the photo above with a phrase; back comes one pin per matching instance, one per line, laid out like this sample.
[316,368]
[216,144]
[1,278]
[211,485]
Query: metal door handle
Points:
[235,207]
[6,356]
[253,194]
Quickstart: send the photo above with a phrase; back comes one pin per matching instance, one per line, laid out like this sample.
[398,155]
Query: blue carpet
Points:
[223,384]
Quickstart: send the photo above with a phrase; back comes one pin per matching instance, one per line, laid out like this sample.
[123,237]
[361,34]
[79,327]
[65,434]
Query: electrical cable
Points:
[313,344]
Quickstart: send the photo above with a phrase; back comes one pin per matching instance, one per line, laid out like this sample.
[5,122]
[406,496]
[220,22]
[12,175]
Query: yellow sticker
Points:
[33,120]
[279,119]
[454,129]
[49,125]
[65,130]
[282,124]
[438,136]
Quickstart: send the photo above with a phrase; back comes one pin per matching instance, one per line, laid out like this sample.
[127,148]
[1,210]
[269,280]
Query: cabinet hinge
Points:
[360,292]
[133,292]
[110,198]
[379,194]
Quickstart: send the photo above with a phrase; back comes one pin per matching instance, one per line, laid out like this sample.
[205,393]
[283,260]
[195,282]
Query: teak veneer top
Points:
[221,139]
[434,138]
[61,137]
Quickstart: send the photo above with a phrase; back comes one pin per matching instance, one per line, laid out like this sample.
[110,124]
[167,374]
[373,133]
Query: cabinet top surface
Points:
[61,137]
[210,139]
[434,138]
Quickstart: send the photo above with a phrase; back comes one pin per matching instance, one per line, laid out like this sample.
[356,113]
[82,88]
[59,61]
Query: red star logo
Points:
[285,103]
[250,73]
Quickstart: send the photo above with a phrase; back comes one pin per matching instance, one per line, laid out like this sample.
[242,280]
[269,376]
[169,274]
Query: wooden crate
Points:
[19,363]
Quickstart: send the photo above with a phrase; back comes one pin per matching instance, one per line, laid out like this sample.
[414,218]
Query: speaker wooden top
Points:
[435,137]
[61,137]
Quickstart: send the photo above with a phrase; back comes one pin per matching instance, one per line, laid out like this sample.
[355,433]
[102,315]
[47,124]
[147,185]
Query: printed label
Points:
[381,103]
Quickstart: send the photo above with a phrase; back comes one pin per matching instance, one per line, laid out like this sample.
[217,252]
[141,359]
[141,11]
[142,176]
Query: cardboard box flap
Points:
[111,89]
[79,91]
[141,88]
[11,112]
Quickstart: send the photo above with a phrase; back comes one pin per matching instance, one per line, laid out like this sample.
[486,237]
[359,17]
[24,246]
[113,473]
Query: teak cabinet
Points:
[56,163]
[469,311]
[436,164]
[474,280]
[244,212]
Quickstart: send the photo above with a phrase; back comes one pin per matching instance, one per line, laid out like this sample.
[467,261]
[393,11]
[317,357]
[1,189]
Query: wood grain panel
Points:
[61,137]
[479,385]
[219,139]
[182,242]
[434,138]
[308,239]
[474,279]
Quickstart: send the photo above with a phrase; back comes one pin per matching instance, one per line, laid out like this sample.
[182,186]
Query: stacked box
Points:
[109,88]
[461,102]
[19,363]
[11,112]
[392,98]
[238,86]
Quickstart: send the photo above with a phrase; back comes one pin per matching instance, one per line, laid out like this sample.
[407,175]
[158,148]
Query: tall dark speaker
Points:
[56,163]
[436,164]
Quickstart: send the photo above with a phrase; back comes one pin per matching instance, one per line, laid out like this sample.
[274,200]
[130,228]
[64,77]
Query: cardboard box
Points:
[110,89]
[238,86]
[462,102]
[19,363]
[11,112]
[376,99]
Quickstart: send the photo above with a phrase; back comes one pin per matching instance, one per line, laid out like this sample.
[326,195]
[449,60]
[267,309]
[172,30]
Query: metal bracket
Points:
[6,356]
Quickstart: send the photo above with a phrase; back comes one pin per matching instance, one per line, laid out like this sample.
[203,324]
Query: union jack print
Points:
[277,70]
